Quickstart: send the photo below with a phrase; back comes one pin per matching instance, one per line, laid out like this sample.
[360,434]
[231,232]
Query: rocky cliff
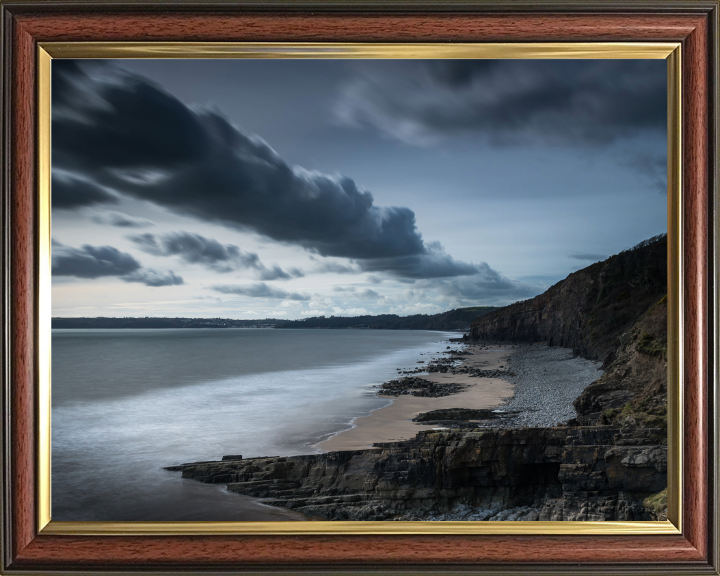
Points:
[582,473]
[588,310]
[633,389]
[615,311]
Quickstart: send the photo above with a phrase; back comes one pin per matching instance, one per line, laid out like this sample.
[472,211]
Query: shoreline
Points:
[394,423]
[364,476]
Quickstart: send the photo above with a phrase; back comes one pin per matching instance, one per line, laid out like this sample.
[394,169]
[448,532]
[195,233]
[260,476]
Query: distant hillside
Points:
[458,319]
[162,323]
[590,308]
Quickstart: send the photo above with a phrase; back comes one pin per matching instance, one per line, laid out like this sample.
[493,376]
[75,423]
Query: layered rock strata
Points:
[582,473]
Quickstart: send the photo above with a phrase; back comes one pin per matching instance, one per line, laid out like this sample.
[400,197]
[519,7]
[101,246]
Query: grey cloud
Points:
[366,294]
[336,268]
[91,261]
[151,277]
[70,192]
[277,273]
[196,249]
[141,141]
[115,218]
[487,287]
[261,290]
[511,102]
[369,294]
[96,261]
[433,263]
[587,256]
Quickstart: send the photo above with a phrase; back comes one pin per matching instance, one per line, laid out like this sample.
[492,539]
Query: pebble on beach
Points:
[547,380]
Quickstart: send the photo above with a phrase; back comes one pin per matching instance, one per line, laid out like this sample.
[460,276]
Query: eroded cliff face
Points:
[614,311]
[633,389]
[582,473]
[590,309]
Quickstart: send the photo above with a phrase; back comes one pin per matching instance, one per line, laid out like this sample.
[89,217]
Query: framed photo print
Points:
[366,288]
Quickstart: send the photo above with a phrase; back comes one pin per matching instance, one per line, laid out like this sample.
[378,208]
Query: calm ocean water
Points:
[125,403]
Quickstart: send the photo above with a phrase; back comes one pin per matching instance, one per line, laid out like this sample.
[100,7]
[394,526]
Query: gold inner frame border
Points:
[669,51]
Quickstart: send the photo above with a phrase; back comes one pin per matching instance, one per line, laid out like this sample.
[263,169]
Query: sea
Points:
[126,403]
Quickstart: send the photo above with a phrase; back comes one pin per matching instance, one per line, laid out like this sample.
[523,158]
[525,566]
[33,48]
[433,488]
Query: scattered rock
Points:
[418,387]
[461,414]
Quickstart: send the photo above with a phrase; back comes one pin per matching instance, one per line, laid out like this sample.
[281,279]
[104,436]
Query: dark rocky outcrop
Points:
[463,418]
[590,309]
[418,387]
[456,414]
[633,389]
[582,473]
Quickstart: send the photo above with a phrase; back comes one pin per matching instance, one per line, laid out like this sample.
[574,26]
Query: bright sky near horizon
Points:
[296,188]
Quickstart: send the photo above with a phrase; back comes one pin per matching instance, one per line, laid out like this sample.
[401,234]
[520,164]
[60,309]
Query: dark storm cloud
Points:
[70,192]
[96,261]
[110,119]
[261,290]
[549,101]
[115,218]
[434,263]
[119,130]
[196,249]
[586,256]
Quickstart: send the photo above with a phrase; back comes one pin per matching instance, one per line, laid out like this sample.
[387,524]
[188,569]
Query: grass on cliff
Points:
[648,407]
[652,346]
[657,504]
[644,413]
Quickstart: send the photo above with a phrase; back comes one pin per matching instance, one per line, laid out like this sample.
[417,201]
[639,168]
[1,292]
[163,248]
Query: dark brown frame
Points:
[693,23]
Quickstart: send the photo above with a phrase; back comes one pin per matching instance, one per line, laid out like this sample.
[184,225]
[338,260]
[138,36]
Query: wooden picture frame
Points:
[28,548]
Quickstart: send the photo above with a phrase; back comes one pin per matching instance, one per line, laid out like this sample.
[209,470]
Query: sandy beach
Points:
[394,422]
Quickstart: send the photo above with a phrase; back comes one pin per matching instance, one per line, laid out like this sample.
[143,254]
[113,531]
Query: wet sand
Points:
[394,422]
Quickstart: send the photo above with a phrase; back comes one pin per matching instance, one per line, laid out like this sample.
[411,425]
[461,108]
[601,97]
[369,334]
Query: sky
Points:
[242,188]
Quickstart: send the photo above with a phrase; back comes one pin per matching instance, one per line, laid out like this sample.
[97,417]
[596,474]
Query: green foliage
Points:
[657,503]
[642,412]
[648,344]
[610,415]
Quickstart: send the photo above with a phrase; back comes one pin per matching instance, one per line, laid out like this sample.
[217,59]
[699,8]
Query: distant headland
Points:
[457,319]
